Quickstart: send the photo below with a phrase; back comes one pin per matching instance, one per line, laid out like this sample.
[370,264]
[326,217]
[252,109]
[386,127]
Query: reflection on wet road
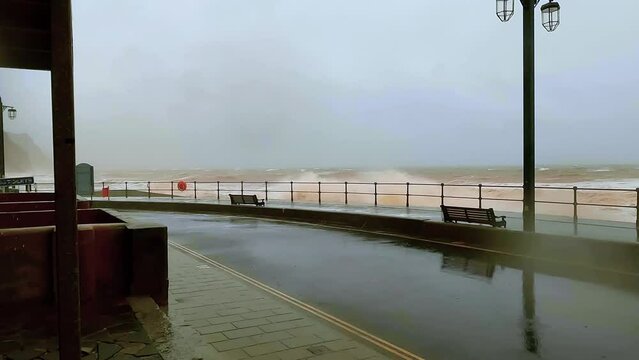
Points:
[441,304]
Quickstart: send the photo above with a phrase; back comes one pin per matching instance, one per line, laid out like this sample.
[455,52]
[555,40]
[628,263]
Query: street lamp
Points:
[550,21]
[12,112]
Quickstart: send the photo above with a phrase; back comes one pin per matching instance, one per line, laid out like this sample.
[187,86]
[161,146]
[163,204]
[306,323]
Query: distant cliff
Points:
[23,156]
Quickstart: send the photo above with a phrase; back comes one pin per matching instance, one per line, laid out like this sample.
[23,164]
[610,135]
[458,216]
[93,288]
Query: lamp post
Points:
[12,115]
[550,21]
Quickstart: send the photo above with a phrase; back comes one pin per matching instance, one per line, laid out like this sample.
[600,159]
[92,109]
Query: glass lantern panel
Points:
[550,18]
[505,9]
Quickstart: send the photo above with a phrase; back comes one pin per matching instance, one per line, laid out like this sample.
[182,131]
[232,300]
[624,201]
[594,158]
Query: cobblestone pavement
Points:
[214,315]
[126,339]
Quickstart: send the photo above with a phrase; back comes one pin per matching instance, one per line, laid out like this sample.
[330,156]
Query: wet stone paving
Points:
[126,339]
[214,315]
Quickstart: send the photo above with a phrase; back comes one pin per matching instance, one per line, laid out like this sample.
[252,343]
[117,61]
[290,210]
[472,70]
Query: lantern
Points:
[505,9]
[12,113]
[550,16]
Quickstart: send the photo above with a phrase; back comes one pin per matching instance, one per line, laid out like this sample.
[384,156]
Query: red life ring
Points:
[181,185]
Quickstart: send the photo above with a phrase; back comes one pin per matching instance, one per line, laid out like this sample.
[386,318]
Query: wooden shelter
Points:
[37,35]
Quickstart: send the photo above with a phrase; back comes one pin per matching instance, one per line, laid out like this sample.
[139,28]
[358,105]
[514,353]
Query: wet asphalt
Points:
[440,303]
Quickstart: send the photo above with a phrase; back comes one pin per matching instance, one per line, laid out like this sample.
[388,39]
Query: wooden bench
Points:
[245,200]
[472,215]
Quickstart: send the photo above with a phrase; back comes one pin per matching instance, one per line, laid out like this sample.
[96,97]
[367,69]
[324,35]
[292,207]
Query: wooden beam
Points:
[23,59]
[25,14]
[68,270]
[26,39]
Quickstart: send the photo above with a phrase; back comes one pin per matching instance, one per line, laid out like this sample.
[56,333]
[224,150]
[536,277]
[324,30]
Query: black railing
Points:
[384,194]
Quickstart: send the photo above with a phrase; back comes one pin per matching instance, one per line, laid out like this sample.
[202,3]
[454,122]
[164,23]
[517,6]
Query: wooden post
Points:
[66,221]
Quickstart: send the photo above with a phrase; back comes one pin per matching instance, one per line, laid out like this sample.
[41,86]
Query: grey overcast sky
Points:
[300,83]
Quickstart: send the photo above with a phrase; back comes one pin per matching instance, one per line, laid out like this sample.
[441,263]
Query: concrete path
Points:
[546,224]
[217,313]
[440,303]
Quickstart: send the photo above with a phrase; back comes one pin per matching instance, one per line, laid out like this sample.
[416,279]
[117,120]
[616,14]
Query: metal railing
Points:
[573,200]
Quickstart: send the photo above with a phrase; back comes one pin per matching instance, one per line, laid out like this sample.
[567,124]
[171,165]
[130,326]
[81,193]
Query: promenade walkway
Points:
[217,313]
[546,224]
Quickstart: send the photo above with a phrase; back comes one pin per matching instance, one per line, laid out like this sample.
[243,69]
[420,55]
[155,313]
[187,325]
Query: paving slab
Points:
[242,320]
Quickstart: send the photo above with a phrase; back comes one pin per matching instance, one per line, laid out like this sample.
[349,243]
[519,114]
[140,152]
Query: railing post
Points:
[195,190]
[242,187]
[291,191]
[346,192]
[375,183]
[319,192]
[575,204]
[266,190]
[442,185]
[109,193]
[218,190]
[126,189]
[407,194]
[480,195]
[171,189]
[148,188]
[637,215]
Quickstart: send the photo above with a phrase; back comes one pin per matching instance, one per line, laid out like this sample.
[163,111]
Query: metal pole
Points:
[218,190]
[319,192]
[637,215]
[407,193]
[529,115]
[195,190]
[574,209]
[126,190]
[148,189]
[242,187]
[480,195]
[66,221]
[346,192]
[171,189]
[442,185]
[291,191]
[375,183]
[1,140]
[266,190]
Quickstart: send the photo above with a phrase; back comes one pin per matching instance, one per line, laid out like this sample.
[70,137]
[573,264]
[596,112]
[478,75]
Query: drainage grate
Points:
[318,350]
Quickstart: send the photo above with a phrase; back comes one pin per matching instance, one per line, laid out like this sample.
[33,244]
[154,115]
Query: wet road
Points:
[441,304]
